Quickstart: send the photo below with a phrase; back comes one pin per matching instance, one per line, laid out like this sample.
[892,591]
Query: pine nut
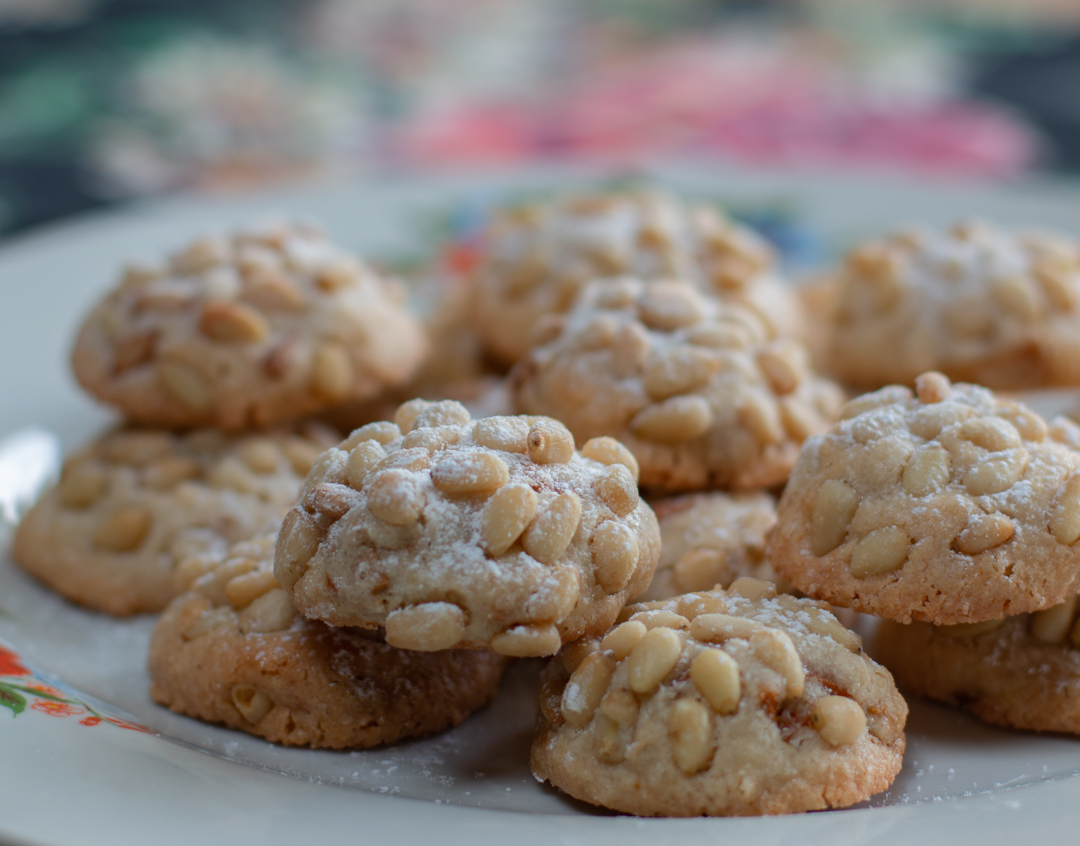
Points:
[550,442]
[652,658]
[798,420]
[598,333]
[753,589]
[608,741]
[550,533]
[690,729]
[261,455]
[298,541]
[186,385]
[271,612]
[665,307]
[191,568]
[508,434]
[442,413]
[124,529]
[679,371]
[824,624]
[396,496]
[139,448]
[1055,277]
[614,555]
[630,350]
[716,675]
[983,532]
[618,491]
[405,416]
[301,454]
[470,472]
[1030,426]
[623,638]
[928,421]
[364,457]
[212,584]
[133,351]
[1065,519]
[244,589]
[1052,624]
[1013,295]
[609,451]
[969,630]
[700,569]
[428,627]
[533,641]
[878,399]
[549,699]
[331,372]
[252,704]
[927,471]
[200,255]
[210,621]
[82,485]
[834,508]
[556,596]
[717,628]
[1064,431]
[682,418]
[506,516]
[231,322]
[839,720]
[990,433]
[586,687]
[620,706]
[338,274]
[574,653]
[657,617]
[782,369]
[932,387]
[381,432]
[881,551]
[996,473]
[774,649]
[271,290]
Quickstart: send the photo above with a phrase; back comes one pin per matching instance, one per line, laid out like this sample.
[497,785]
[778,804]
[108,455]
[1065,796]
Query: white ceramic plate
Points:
[74,769]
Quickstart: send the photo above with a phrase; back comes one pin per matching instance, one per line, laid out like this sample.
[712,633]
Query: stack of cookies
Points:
[635,388]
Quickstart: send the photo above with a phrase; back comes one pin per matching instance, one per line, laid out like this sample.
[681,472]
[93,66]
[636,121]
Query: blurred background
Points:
[102,101]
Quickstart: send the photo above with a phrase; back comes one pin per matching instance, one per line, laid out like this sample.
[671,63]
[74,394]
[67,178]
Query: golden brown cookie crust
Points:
[710,539]
[952,506]
[701,392]
[450,532]
[247,330]
[255,665]
[718,704]
[135,502]
[1000,671]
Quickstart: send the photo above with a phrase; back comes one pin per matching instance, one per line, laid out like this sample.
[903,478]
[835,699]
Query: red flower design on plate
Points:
[90,721]
[9,664]
[124,724]
[56,709]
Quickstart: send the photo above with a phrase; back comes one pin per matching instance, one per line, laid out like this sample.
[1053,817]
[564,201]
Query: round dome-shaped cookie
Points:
[694,387]
[233,650]
[134,503]
[494,533]
[710,539]
[978,303]
[949,506]
[537,258]
[246,330]
[1022,672]
[720,703]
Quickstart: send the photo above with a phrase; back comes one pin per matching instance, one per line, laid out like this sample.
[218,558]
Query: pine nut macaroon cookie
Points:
[698,390]
[449,532]
[233,650]
[538,257]
[709,540]
[979,303]
[1021,672]
[132,504]
[240,331]
[723,703]
[949,506]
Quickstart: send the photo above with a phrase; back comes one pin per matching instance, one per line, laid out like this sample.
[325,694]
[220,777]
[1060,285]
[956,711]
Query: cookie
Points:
[129,506]
[710,539]
[537,258]
[234,651]
[1022,672]
[449,532]
[950,506]
[979,303]
[243,331]
[697,389]
[720,703]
